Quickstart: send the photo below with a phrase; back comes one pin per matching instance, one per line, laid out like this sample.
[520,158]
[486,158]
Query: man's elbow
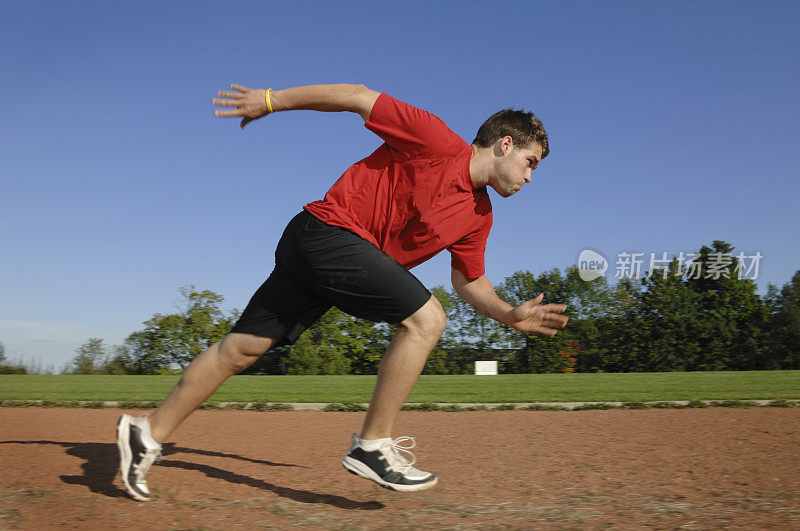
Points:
[460,280]
[365,99]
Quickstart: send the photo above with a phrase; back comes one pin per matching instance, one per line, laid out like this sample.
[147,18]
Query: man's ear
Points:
[503,146]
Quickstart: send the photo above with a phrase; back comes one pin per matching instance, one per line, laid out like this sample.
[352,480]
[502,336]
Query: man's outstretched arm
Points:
[530,316]
[251,104]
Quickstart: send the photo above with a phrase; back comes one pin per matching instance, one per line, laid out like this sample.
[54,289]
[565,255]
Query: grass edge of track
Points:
[429,406]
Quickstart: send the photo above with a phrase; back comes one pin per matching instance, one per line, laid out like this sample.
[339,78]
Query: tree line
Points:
[665,321]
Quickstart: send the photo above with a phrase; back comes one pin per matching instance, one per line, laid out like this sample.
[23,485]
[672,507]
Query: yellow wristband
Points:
[269,105]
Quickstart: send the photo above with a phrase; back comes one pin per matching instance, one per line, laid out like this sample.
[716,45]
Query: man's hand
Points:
[532,317]
[250,104]
[529,316]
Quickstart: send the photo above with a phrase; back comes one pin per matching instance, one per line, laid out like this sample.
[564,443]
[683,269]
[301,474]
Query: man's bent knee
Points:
[239,351]
[247,344]
[428,321]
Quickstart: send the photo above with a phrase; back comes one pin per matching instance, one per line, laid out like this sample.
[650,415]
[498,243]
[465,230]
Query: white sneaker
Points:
[137,453]
[386,467]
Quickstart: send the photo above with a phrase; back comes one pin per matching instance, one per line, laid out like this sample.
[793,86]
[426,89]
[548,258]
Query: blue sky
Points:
[671,125]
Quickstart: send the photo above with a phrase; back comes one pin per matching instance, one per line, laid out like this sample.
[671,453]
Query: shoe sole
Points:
[125,457]
[354,466]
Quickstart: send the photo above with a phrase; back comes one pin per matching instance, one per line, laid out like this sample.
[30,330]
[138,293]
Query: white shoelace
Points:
[149,457]
[391,453]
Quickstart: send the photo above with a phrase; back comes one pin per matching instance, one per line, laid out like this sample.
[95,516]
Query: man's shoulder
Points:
[413,131]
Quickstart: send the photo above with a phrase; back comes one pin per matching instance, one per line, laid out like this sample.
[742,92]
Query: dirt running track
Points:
[697,469]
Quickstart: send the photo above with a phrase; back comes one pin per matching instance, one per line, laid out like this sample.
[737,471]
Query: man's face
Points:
[513,166]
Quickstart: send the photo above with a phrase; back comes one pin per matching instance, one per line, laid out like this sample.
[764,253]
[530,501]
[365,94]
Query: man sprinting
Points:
[422,191]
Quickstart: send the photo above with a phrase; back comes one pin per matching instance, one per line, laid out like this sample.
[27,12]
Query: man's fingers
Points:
[226,94]
[237,112]
[556,317]
[547,309]
[545,331]
[557,321]
[531,305]
[240,88]
[226,103]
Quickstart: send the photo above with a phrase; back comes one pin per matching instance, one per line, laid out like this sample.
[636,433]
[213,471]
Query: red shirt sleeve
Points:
[466,254]
[411,131]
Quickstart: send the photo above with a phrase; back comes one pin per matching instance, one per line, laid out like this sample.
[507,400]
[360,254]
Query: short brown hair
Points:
[523,127]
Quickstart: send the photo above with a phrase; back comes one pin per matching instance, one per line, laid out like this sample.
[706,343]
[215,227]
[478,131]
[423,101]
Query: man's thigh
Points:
[351,273]
[281,309]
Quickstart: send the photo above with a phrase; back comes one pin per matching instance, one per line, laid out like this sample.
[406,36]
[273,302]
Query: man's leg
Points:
[375,455]
[401,366]
[139,439]
[203,376]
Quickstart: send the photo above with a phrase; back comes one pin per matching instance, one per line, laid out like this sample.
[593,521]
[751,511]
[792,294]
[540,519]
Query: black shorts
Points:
[318,266]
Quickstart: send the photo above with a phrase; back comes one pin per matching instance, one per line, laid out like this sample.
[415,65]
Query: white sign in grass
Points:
[485,367]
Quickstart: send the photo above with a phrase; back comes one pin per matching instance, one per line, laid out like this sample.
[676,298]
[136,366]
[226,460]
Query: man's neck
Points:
[479,164]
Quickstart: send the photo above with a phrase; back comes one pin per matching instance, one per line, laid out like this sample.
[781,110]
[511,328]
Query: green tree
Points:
[448,355]
[734,319]
[669,321]
[337,343]
[325,346]
[588,304]
[701,317]
[88,357]
[178,338]
[620,330]
[117,362]
[145,351]
[303,357]
[783,342]
[469,336]
[368,344]
[532,352]
[9,368]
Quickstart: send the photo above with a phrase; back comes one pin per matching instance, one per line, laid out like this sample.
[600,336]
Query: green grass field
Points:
[623,387]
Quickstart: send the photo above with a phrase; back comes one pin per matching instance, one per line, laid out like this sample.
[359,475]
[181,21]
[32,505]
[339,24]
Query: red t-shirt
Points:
[413,196]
